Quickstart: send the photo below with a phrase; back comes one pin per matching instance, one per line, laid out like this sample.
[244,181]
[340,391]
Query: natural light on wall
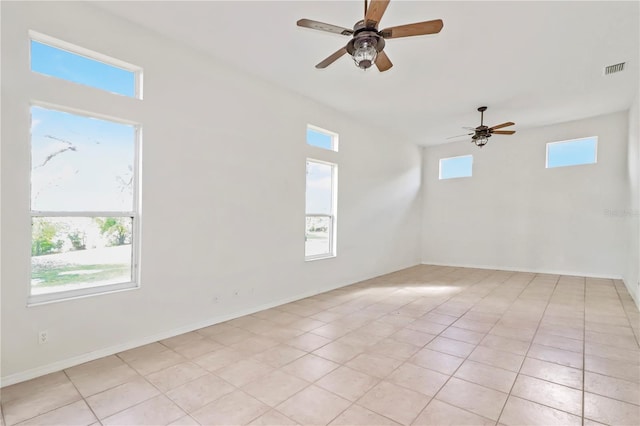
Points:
[572,152]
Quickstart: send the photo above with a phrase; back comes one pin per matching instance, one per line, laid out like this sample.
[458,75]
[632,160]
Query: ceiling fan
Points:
[482,133]
[367,43]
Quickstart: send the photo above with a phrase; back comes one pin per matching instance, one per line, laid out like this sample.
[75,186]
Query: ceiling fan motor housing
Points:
[365,45]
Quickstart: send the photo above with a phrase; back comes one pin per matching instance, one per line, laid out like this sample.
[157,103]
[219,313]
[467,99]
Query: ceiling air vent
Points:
[614,68]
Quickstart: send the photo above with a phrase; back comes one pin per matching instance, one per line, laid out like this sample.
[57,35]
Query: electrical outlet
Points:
[43,337]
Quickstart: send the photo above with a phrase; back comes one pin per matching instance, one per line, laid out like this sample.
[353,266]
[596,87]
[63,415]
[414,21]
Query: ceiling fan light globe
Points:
[365,52]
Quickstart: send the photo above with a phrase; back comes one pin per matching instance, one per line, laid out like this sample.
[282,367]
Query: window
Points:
[83,66]
[572,153]
[322,138]
[83,204]
[456,167]
[320,210]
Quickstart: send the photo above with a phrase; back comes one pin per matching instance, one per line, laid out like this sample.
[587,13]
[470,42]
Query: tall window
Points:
[572,153]
[84,184]
[320,210]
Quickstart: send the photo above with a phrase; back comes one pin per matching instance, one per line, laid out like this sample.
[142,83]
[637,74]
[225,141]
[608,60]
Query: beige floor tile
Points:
[437,361]
[156,362]
[373,364]
[442,414]
[244,371]
[612,387]
[184,421]
[279,355]
[182,339]
[199,392]
[613,353]
[310,367]
[43,400]
[563,331]
[359,339]
[609,329]
[496,358]
[475,398]
[313,406]
[75,414]
[360,416]
[427,382]
[519,412]
[91,367]
[549,394]
[156,411]
[111,401]
[308,342]
[412,337]
[559,342]
[282,333]
[552,372]
[451,347]
[197,348]
[610,411]
[331,331]
[617,340]
[218,359]
[142,352]
[275,387]
[463,335]
[439,318]
[558,356]
[505,344]
[254,345]
[231,336]
[394,349]
[212,330]
[397,403]
[425,326]
[619,369]
[236,408]
[98,380]
[307,324]
[486,375]
[338,352]
[380,328]
[34,386]
[272,418]
[175,376]
[347,383]
[478,327]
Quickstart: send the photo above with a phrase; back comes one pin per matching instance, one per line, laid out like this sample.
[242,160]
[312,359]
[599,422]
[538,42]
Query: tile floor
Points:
[425,345]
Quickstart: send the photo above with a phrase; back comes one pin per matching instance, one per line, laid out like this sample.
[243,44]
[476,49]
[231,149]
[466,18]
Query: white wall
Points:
[516,214]
[632,213]
[223,188]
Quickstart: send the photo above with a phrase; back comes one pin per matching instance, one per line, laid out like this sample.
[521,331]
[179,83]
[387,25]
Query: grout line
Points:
[584,344]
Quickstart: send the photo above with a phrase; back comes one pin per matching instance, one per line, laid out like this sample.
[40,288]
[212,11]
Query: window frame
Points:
[595,154]
[89,54]
[454,177]
[333,135]
[332,216]
[134,214]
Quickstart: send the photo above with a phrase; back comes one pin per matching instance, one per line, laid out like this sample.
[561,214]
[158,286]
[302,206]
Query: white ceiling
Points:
[534,63]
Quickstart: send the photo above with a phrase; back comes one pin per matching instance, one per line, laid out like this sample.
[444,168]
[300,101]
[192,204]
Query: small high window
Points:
[62,60]
[456,167]
[322,138]
[572,152]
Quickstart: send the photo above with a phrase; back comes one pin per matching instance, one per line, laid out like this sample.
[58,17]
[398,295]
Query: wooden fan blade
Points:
[500,126]
[331,59]
[375,11]
[321,26]
[419,28]
[503,132]
[382,62]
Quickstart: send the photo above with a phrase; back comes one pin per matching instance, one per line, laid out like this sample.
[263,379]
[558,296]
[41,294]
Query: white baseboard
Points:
[530,270]
[634,295]
[100,353]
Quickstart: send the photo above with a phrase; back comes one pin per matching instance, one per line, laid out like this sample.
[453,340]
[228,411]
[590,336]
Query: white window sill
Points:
[45,299]
[319,257]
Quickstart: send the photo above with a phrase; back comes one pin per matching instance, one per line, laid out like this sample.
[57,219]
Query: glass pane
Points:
[69,253]
[456,167]
[320,139]
[319,187]
[317,241]
[63,64]
[80,163]
[572,153]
